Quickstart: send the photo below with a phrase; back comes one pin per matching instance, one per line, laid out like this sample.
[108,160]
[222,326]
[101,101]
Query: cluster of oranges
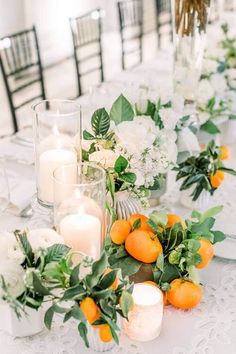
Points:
[92,313]
[143,245]
[219,176]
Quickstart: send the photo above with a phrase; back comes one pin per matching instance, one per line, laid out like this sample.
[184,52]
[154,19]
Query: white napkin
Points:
[21,193]
[15,152]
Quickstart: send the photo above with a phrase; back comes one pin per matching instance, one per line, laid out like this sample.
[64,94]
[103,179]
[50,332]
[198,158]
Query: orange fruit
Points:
[105,333]
[143,218]
[173,219]
[206,252]
[90,309]
[115,284]
[143,246]
[225,152]
[217,179]
[184,294]
[119,231]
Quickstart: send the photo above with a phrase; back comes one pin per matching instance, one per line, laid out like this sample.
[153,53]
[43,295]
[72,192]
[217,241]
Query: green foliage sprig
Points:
[180,245]
[196,171]
[97,284]
[37,288]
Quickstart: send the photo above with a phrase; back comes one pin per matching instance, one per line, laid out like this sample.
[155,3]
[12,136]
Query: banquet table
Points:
[208,329]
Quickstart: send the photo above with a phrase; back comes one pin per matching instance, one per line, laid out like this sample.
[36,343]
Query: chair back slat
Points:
[164,20]
[86,34]
[131,30]
[21,67]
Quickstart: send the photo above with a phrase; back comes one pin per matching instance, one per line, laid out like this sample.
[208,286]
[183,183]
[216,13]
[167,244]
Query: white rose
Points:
[10,248]
[105,157]
[43,238]
[209,66]
[169,118]
[205,92]
[139,133]
[219,83]
[231,76]
[13,275]
[187,141]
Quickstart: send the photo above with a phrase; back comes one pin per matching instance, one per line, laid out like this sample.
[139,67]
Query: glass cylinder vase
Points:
[57,129]
[79,207]
[190,20]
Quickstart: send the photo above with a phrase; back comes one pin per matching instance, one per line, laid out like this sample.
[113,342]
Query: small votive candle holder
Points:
[145,320]
[79,207]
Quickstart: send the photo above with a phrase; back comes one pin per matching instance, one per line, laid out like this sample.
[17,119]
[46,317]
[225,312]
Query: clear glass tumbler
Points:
[57,138]
[79,207]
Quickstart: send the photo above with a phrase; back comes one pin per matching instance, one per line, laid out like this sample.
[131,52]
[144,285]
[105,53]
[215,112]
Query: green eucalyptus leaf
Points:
[49,317]
[159,217]
[39,288]
[203,227]
[160,262]
[126,303]
[128,266]
[74,277]
[73,293]
[211,212]
[83,331]
[218,236]
[136,224]
[108,279]
[193,245]
[121,110]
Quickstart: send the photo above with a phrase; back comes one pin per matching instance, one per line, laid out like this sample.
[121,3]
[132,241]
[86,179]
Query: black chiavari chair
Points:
[131,30]
[21,66]
[86,34]
[164,20]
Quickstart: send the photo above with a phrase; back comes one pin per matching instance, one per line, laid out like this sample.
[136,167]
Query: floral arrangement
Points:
[132,148]
[24,258]
[165,249]
[185,11]
[170,114]
[95,299]
[205,171]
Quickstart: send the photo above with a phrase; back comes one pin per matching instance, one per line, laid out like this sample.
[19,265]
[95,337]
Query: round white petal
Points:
[43,238]
[10,248]
[13,275]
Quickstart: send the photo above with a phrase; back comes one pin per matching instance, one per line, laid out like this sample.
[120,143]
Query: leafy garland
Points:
[196,171]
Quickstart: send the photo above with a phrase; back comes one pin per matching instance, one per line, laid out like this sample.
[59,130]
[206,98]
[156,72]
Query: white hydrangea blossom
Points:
[13,275]
[231,77]
[10,249]
[205,92]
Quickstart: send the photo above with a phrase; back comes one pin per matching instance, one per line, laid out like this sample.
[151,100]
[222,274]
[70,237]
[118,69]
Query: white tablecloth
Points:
[208,329]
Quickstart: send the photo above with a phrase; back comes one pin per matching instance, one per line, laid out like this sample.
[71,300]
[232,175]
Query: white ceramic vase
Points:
[29,324]
[201,204]
[126,205]
[95,342]
[228,132]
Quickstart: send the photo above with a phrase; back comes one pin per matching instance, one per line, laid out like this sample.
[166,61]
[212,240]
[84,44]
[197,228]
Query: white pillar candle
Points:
[82,232]
[49,160]
[145,319]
